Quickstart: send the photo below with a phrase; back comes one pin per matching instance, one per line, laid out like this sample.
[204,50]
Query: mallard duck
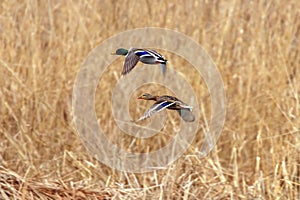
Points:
[147,56]
[167,102]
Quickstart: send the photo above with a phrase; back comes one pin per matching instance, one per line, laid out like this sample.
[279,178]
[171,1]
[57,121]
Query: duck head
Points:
[147,96]
[120,51]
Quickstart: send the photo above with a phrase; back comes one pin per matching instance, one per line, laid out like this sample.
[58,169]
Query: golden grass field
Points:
[255,45]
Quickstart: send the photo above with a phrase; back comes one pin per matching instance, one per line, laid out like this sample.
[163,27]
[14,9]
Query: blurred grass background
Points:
[255,45]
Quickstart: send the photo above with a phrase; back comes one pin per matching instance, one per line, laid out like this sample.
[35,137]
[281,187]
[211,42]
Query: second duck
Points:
[167,102]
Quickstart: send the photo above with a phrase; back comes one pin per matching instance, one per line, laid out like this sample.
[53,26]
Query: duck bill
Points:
[139,98]
[113,53]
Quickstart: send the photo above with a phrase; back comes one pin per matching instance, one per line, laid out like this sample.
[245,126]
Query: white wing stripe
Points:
[150,53]
[154,109]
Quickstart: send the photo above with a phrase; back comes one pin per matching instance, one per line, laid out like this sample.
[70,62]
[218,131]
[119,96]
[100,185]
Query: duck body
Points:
[167,102]
[146,56]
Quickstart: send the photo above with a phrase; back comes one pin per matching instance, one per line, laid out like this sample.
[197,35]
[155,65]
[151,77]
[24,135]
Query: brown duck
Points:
[167,102]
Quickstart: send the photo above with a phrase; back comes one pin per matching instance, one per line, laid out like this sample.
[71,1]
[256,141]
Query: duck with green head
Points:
[147,56]
[167,102]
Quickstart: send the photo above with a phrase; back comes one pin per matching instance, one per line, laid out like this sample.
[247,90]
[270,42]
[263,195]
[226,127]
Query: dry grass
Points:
[255,45]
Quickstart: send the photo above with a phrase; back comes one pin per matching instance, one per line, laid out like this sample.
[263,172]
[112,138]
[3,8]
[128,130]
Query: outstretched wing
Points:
[163,68]
[131,60]
[155,108]
[186,115]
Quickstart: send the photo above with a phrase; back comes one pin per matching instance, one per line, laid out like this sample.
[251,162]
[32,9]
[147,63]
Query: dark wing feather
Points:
[131,60]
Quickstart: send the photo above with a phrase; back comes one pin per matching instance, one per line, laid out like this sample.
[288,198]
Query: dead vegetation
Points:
[255,45]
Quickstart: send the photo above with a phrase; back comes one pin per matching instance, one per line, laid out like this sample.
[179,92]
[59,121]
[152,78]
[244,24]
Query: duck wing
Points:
[152,57]
[131,60]
[155,108]
[178,103]
[146,56]
[186,115]
[163,68]
[156,55]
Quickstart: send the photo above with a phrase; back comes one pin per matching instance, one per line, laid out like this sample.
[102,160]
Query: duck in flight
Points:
[167,102]
[147,56]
